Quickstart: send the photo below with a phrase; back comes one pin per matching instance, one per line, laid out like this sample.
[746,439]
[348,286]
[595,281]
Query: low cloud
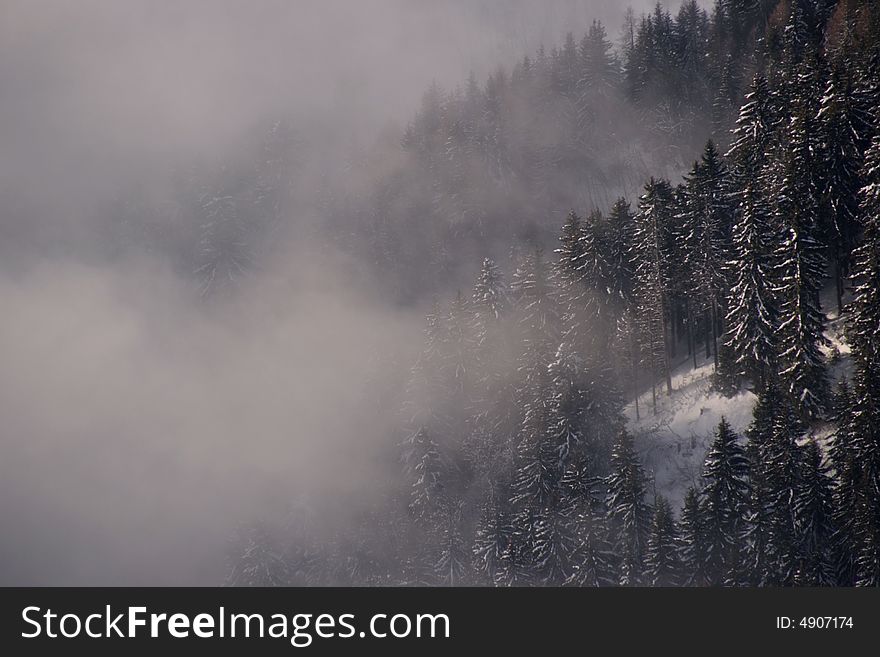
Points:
[141,427]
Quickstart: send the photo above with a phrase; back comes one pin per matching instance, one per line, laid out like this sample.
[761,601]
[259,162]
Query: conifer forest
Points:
[603,312]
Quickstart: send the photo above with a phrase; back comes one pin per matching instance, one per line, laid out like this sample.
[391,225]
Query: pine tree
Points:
[259,560]
[424,424]
[650,253]
[571,276]
[594,268]
[663,562]
[425,467]
[725,496]
[569,406]
[753,315]
[538,314]
[491,423]
[619,255]
[225,254]
[537,463]
[845,126]
[627,347]
[707,218]
[599,79]
[493,543]
[599,66]
[272,174]
[593,563]
[759,515]
[452,563]
[813,517]
[555,544]
[586,403]
[862,328]
[459,349]
[801,266]
[867,522]
[863,335]
[629,516]
[694,547]
[489,300]
[783,458]
[847,477]
[434,462]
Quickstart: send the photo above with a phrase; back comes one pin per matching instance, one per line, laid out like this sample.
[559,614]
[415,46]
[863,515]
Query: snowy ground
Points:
[673,443]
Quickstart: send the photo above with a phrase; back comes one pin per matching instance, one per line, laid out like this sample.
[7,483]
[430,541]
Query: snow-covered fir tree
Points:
[706,228]
[511,473]
[813,518]
[725,495]
[753,313]
[863,335]
[693,543]
[664,565]
[801,267]
[650,253]
[629,514]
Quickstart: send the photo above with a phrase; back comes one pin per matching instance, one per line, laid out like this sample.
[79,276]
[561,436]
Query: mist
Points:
[142,421]
[101,95]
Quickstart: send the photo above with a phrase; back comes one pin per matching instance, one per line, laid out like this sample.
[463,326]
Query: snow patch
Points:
[673,443]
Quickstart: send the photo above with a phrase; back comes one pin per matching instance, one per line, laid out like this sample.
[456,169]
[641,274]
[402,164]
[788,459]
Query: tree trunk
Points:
[636,393]
[692,337]
[708,332]
[715,332]
[666,364]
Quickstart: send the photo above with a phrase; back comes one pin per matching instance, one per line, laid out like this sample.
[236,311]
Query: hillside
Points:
[673,443]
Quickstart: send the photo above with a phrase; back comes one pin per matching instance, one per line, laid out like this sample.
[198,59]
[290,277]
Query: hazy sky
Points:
[97,91]
[139,427]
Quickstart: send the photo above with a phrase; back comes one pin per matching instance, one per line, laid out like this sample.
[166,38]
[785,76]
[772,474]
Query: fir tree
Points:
[225,253]
[593,563]
[452,563]
[865,422]
[847,477]
[813,516]
[627,346]
[650,253]
[757,532]
[662,555]
[862,329]
[753,315]
[707,218]
[599,316]
[491,423]
[493,544]
[629,516]
[586,403]
[537,462]
[845,127]
[259,560]
[618,249]
[489,300]
[783,459]
[725,495]
[599,66]
[425,467]
[694,547]
[801,267]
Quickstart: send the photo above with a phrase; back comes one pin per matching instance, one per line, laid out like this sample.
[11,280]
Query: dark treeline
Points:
[516,465]
[575,126]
